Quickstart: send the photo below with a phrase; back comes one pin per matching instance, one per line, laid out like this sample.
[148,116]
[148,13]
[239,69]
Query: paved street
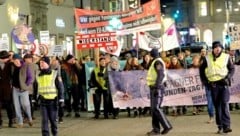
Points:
[86,126]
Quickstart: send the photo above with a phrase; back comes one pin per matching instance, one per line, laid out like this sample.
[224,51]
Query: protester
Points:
[22,81]
[155,80]
[210,106]
[5,88]
[218,69]
[111,67]
[55,65]
[28,78]
[48,82]
[70,75]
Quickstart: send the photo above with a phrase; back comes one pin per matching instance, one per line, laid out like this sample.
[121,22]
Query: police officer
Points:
[155,80]
[47,81]
[217,69]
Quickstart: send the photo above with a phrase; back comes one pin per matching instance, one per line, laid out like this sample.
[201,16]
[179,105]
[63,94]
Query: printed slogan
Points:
[183,87]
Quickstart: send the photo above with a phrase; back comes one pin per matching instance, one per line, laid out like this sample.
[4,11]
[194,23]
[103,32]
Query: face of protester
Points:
[54,63]
[174,60]
[71,61]
[11,55]
[163,54]
[187,53]
[102,62]
[180,56]
[135,62]
[17,62]
[114,65]
[28,60]
[231,52]
[196,61]
[203,52]
[87,59]
[217,50]
[43,65]
[107,58]
[4,60]
[147,58]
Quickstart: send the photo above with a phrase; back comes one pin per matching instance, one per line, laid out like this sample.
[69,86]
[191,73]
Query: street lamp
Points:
[228,7]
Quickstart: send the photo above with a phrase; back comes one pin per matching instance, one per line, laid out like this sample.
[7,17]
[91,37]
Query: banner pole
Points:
[96,56]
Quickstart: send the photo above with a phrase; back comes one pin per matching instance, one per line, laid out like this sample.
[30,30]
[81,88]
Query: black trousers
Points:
[158,117]
[73,93]
[8,104]
[221,97]
[49,112]
[98,99]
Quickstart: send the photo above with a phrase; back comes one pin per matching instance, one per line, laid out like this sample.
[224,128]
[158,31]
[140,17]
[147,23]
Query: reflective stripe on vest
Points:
[216,70]
[152,74]
[46,86]
[100,80]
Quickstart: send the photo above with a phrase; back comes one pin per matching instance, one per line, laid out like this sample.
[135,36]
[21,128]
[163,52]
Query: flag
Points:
[168,41]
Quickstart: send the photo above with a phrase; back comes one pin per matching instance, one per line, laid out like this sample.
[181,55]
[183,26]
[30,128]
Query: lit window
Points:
[113,5]
[203,8]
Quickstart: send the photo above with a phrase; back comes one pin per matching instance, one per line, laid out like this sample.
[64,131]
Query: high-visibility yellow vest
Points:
[100,80]
[216,70]
[46,86]
[152,74]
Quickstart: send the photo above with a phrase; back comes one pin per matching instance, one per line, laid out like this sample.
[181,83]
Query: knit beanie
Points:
[154,53]
[46,59]
[216,44]
[17,56]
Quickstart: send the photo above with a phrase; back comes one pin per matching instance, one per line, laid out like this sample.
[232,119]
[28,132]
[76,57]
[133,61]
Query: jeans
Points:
[21,100]
[210,106]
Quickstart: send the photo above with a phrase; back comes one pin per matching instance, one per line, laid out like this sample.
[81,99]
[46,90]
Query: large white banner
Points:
[183,87]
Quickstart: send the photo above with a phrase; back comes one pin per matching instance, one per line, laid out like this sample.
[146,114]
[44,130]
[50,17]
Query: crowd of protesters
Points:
[19,92]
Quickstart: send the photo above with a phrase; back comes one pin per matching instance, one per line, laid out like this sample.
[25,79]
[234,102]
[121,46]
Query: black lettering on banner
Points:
[194,88]
[199,99]
[175,91]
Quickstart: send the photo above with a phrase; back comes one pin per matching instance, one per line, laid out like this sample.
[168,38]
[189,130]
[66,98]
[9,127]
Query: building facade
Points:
[209,18]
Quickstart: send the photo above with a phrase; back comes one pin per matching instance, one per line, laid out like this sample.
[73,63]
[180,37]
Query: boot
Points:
[129,112]
[0,124]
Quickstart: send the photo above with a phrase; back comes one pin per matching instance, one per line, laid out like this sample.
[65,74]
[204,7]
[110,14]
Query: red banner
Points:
[90,21]
[96,40]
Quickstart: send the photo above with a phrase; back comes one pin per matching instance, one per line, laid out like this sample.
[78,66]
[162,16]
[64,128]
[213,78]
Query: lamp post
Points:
[228,7]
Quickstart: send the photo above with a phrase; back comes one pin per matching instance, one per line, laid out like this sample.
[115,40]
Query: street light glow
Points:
[219,10]
[236,9]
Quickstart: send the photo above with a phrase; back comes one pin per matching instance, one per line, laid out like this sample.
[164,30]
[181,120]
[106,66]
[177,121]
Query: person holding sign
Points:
[155,79]
[217,69]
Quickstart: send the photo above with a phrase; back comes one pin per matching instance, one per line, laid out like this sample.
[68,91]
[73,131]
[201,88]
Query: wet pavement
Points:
[187,125]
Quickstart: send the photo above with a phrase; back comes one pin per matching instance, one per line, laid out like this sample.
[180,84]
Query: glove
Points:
[100,74]
[225,81]
[34,104]
[61,104]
